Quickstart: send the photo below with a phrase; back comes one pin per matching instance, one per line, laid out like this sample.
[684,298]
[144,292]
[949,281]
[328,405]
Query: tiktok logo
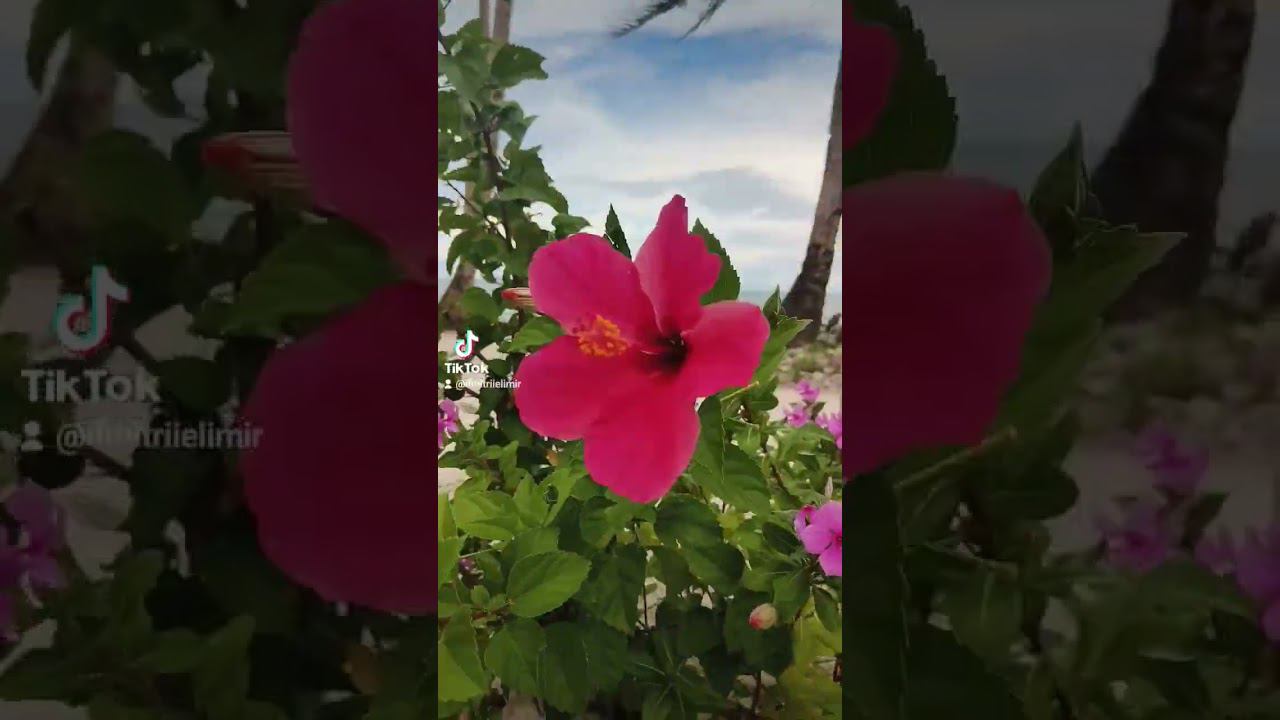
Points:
[465,347]
[81,325]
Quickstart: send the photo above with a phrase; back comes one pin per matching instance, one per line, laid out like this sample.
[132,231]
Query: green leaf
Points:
[478,303]
[917,128]
[985,612]
[827,609]
[613,231]
[448,559]
[221,682]
[727,284]
[612,592]
[875,654]
[1061,195]
[531,503]
[197,383]
[539,331]
[606,655]
[781,334]
[769,650]
[1202,512]
[513,654]
[563,669]
[944,676]
[126,178]
[723,468]
[461,677]
[50,21]
[790,594]
[174,651]
[486,514]
[690,526]
[514,64]
[319,270]
[543,582]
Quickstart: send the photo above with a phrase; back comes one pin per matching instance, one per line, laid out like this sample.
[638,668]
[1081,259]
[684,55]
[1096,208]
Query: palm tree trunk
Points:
[464,275]
[1166,169]
[808,294]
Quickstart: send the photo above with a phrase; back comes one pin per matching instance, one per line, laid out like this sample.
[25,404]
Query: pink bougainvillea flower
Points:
[808,393]
[638,349]
[797,415]
[804,517]
[1177,470]
[1258,572]
[446,421]
[338,481]
[944,274]
[1217,553]
[824,537]
[1141,541]
[42,523]
[872,55]
[358,116]
[834,424]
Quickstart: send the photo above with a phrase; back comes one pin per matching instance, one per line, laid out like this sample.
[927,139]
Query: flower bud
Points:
[763,617]
[519,298]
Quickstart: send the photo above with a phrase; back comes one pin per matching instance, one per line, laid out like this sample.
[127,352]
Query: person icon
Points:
[31,438]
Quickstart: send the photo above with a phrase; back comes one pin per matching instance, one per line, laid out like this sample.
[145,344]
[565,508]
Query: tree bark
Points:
[38,193]
[464,276]
[1166,169]
[808,294]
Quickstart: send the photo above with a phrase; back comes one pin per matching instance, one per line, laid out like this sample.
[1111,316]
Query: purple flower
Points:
[35,557]
[834,424]
[1140,542]
[1177,469]
[1217,553]
[824,537]
[808,393]
[1258,571]
[797,415]
[446,421]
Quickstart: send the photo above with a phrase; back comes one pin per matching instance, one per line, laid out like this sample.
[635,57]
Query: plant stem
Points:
[1006,435]
[755,697]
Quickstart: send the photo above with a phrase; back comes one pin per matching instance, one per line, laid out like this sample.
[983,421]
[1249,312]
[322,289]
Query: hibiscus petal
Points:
[339,481]
[676,269]
[576,279]
[872,53]
[832,561]
[562,391]
[360,116]
[724,348]
[641,447]
[944,276]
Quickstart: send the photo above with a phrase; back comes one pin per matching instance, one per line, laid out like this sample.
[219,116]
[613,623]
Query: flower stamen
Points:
[602,338]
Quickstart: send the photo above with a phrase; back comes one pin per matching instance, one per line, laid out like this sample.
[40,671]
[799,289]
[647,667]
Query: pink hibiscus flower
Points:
[945,274]
[339,483]
[824,537]
[638,349]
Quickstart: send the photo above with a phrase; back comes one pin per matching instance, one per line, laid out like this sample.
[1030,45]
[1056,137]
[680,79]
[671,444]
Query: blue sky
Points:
[735,117]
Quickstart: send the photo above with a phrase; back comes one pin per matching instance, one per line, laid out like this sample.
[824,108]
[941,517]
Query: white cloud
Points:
[553,18]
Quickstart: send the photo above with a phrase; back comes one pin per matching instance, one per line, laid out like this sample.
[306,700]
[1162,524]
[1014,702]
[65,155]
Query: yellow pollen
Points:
[601,338]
